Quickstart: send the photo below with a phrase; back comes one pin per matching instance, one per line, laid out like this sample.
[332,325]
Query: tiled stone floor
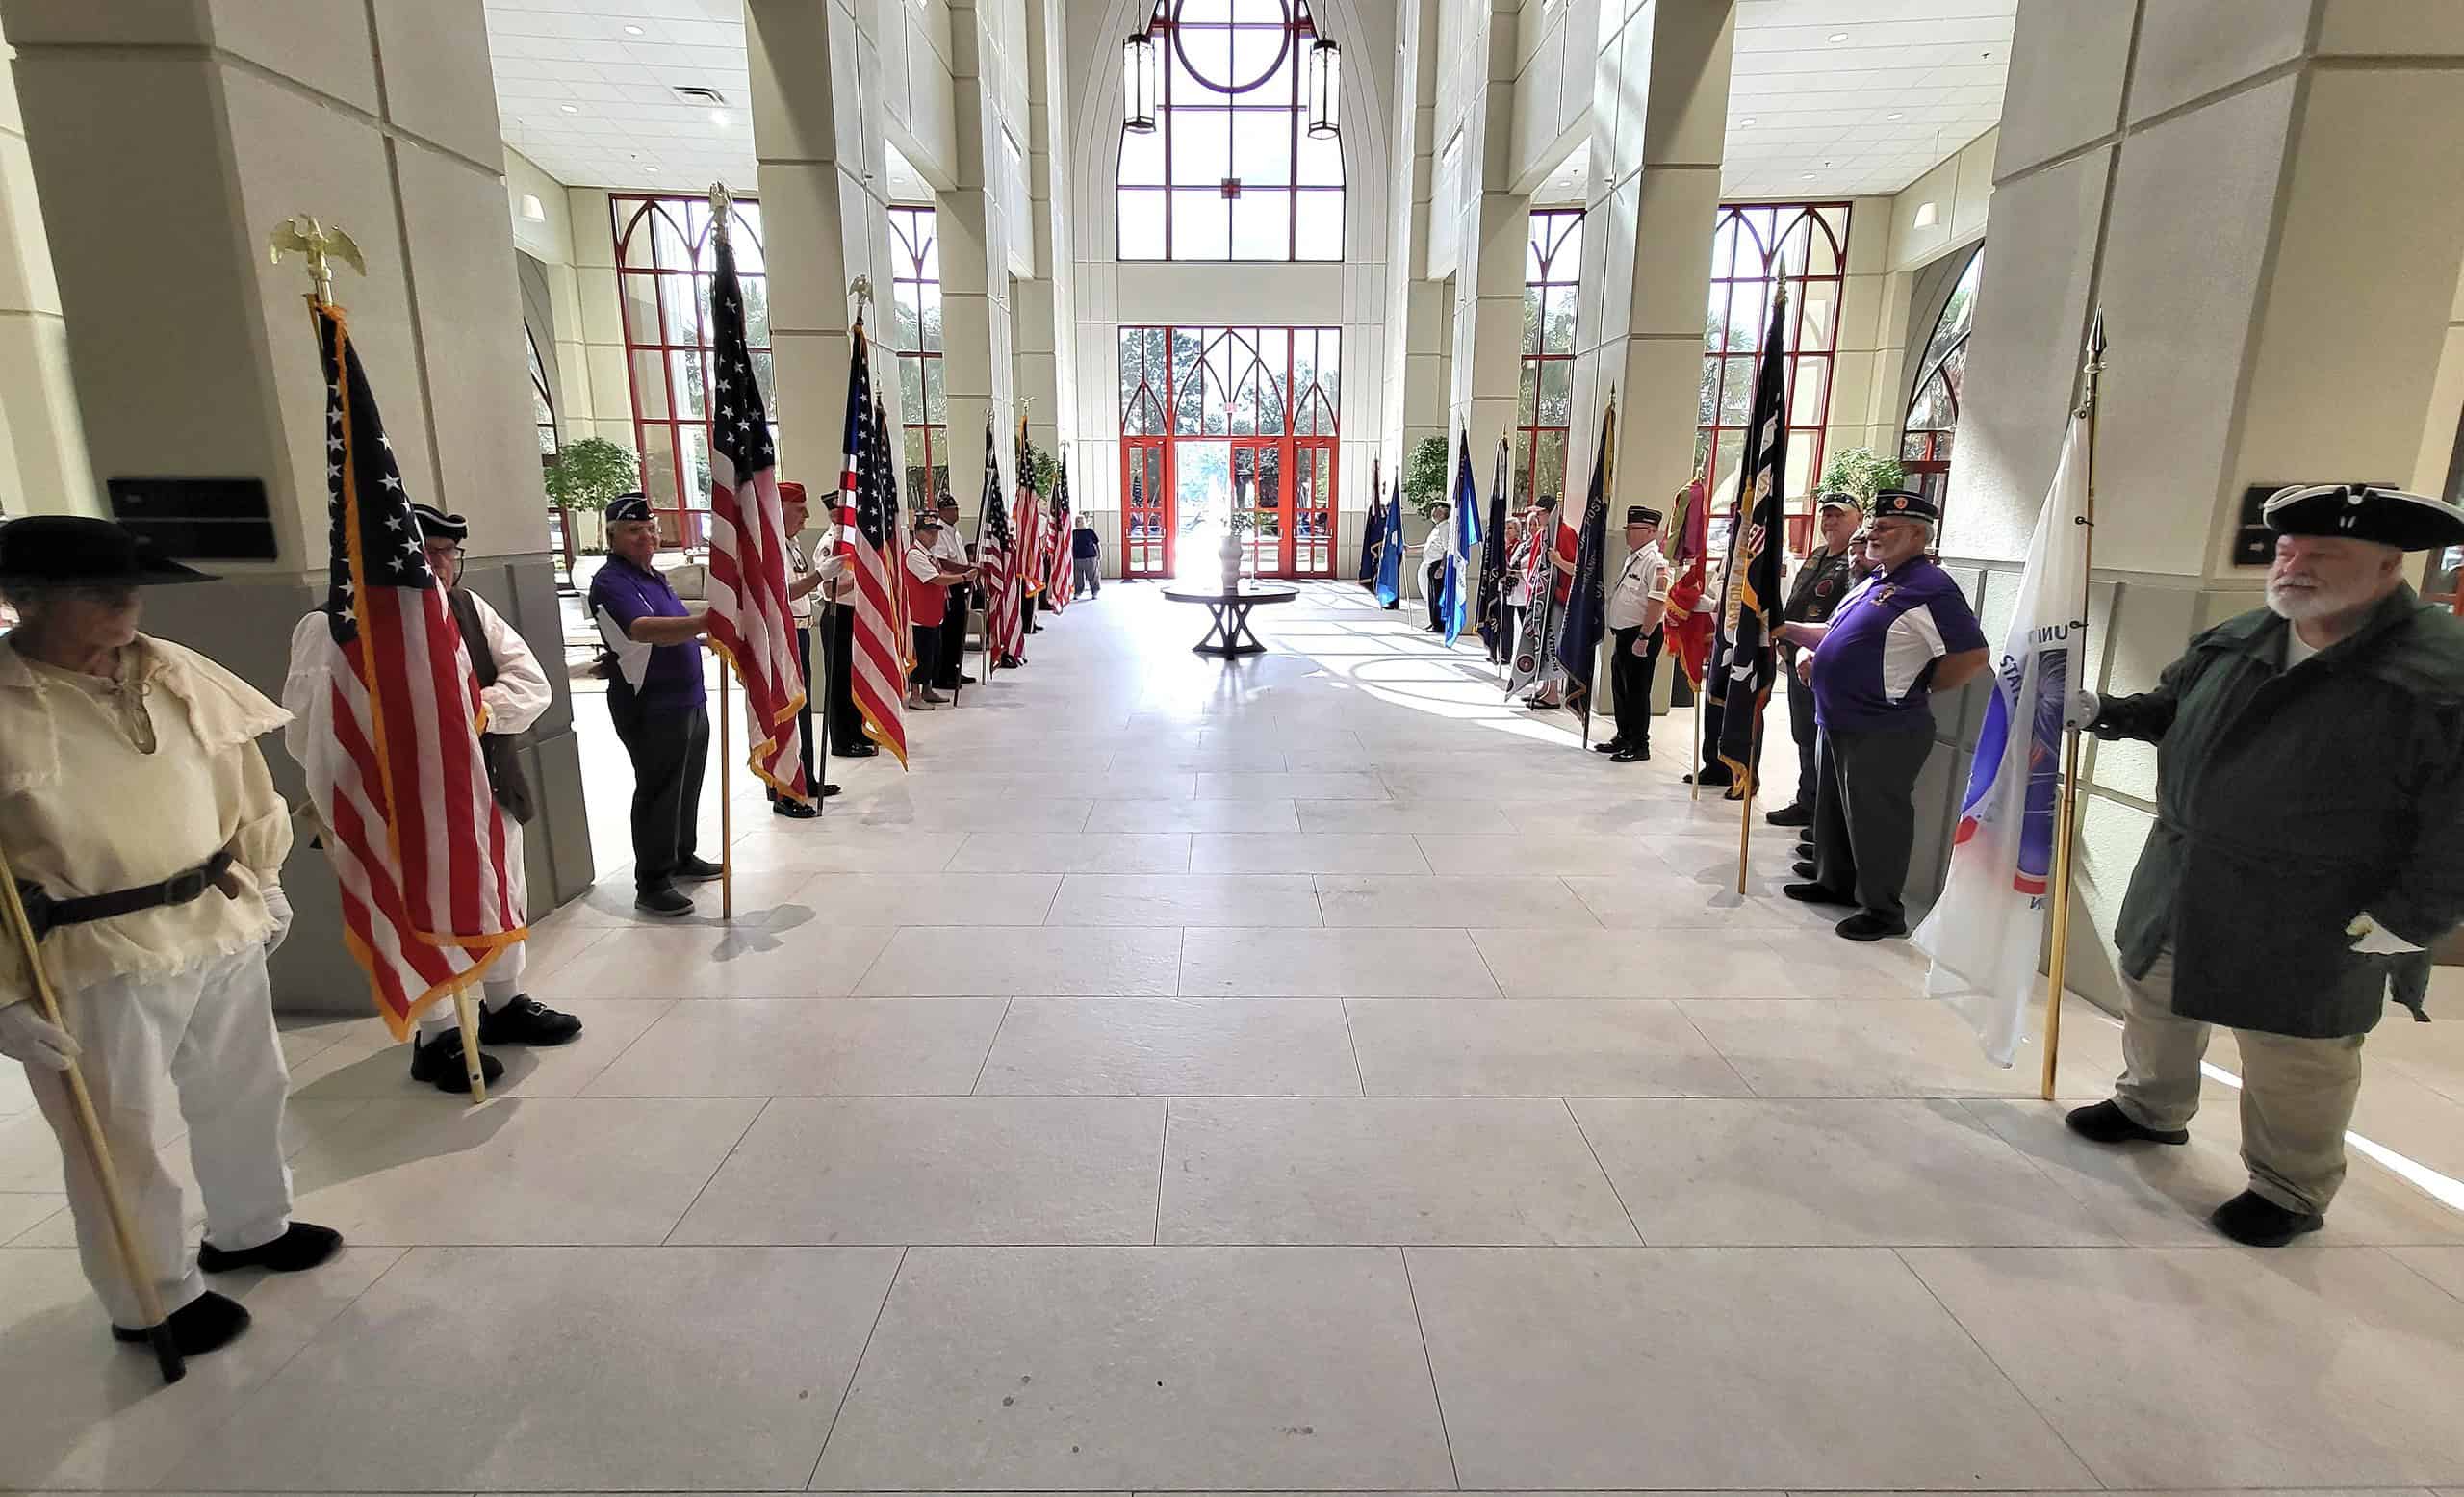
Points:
[1298,1074]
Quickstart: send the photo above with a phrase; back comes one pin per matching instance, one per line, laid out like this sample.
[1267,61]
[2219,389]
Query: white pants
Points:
[502,983]
[210,1030]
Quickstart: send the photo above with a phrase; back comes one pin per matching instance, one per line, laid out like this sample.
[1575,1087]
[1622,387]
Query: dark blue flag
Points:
[1371,534]
[1578,643]
[1390,554]
[1454,594]
[1744,685]
[1493,578]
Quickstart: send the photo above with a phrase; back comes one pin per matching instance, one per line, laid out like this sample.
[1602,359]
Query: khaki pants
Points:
[2296,1094]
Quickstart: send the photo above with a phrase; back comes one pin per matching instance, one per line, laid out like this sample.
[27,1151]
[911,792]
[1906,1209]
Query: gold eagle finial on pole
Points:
[322,246]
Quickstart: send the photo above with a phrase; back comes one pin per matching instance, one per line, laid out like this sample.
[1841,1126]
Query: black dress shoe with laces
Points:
[794,809]
[302,1246]
[1861,926]
[1814,893]
[1609,747]
[526,1020]
[208,1323]
[1630,754]
[697,870]
[438,1062]
[1790,815]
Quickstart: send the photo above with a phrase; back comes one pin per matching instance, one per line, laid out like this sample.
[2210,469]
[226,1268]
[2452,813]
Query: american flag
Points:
[418,841]
[749,621]
[885,485]
[868,537]
[995,548]
[1057,576]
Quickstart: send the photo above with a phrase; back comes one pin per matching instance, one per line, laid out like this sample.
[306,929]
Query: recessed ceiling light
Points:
[718,117]
[1806,175]
[1837,36]
[632,30]
[1745,124]
[570,109]
[1894,115]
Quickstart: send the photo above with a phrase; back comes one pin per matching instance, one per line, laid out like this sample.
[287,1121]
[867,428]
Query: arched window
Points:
[1552,267]
[543,405]
[924,404]
[1229,172]
[664,261]
[1748,243]
[1934,410]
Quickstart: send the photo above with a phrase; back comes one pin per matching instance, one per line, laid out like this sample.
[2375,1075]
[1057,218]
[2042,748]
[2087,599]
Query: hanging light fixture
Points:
[1325,86]
[1140,81]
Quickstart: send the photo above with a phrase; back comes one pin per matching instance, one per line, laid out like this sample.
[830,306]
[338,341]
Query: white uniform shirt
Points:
[919,562]
[1643,582]
[1440,543]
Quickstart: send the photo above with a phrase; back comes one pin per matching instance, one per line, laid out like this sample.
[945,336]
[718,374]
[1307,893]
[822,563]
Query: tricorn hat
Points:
[74,551]
[2357,511]
[436,525]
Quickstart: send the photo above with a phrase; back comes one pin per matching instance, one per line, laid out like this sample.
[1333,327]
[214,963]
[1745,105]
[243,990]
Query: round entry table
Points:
[1229,634]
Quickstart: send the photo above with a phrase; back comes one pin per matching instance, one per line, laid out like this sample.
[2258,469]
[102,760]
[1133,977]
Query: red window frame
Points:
[649,265]
[1814,235]
[1551,271]
[1252,30]
[1925,450]
[1169,402]
[915,275]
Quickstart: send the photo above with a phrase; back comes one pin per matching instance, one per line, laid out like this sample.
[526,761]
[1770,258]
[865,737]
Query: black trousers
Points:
[953,650]
[1629,677]
[1433,577]
[846,724]
[804,714]
[670,749]
[1865,816]
[1714,715]
[1801,725]
[928,654]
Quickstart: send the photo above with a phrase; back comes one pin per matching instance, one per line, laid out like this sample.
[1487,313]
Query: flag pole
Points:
[98,1152]
[1745,786]
[722,208]
[2067,827]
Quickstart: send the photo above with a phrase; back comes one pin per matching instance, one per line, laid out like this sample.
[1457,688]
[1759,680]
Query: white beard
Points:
[2309,602]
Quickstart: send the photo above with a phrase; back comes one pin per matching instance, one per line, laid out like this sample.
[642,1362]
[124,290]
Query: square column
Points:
[194,355]
[2279,293]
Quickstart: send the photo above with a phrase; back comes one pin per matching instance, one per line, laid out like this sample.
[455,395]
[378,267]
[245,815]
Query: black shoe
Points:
[2106,1123]
[208,1323]
[667,902]
[1861,926]
[1630,754]
[828,790]
[1609,747]
[526,1020]
[1709,777]
[1804,846]
[697,870]
[302,1246]
[855,748]
[438,1062]
[794,809]
[1814,893]
[964,679]
[2253,1221]
[1791,815]
[1802,869]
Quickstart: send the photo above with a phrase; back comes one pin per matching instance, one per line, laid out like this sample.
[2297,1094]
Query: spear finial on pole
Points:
[303,235]
[721,209]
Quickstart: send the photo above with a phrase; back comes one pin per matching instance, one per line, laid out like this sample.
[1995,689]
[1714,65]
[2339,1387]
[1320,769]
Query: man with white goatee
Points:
[2309,795]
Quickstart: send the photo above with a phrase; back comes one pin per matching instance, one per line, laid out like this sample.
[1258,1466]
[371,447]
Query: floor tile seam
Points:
[1710,1044]
[716,1169]
[2389,1251]
[857,1369]
[992,1045]
[1163,1158]
[1597,1163]
[1428,1360]
[582,1092]
[1900,1257]
[1359,1072]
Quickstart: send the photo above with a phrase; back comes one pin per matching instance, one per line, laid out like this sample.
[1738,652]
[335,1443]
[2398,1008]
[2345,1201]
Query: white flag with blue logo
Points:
[1986,934]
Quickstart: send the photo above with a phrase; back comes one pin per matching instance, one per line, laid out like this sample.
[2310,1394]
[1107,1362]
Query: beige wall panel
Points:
[329,58]
[2392,28]
[2064,87]
[438,83]
[2188,48]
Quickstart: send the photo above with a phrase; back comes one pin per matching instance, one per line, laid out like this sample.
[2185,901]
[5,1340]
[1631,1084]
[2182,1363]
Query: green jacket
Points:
[2289,801]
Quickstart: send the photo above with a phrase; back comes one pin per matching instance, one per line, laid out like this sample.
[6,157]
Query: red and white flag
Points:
[1057,571]
[750,623]
[429,891]
[998,550]
[868,537]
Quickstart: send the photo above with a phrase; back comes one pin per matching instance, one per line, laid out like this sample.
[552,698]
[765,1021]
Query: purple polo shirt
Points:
[672,681]
[1871,671]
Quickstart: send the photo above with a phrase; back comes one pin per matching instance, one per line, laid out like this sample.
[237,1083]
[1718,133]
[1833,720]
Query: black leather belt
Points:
[48,914]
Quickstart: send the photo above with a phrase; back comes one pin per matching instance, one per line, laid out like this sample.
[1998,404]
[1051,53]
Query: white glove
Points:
[2372,939]
[2084,707]
[277,905]
[26,1034]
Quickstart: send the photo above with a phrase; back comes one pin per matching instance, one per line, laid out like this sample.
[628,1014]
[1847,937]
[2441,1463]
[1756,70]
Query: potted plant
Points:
[1863,472]
[1424,475]
[585,476]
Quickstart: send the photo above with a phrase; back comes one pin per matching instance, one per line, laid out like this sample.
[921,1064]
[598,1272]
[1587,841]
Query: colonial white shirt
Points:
[1643,582]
